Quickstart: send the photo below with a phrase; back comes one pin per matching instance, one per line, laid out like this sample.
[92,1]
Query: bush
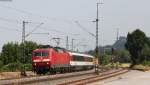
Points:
[11,67]
[16,67]
[141,67]
[1,63]
[106,59]
[28,67]
[146,63]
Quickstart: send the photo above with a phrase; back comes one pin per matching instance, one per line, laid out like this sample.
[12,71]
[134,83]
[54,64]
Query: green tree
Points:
[105,59]
[11,55]
[145,53]
[123,56]
[29,47]
[135,43]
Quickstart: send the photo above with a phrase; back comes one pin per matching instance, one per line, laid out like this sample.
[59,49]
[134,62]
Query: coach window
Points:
[78,58]
[85,58]
[90,59]
[74,58]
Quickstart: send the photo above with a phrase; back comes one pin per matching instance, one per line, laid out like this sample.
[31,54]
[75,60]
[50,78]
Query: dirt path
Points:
[10,75]
[131,78]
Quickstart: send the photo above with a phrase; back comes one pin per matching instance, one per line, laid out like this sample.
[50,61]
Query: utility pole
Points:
[72,44]
[23,72]
[97,50]
[67,43]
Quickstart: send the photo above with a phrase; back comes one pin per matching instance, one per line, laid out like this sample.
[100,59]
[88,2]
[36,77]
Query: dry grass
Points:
[141,68]
[10,75]
[125,65]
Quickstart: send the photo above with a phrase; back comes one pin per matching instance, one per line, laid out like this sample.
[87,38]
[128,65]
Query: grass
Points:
[125,65]
[115,65]
[141,68]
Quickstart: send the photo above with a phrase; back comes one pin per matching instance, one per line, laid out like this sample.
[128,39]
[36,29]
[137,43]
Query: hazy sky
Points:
[59,18]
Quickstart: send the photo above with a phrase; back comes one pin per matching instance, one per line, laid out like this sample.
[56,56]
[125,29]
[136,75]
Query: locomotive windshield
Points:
[40,54]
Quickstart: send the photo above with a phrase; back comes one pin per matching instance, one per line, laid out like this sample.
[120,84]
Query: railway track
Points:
[37,78]
[76,78]
[73,80]
[95,78]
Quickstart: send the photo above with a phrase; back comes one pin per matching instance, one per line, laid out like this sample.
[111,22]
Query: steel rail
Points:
[95,78]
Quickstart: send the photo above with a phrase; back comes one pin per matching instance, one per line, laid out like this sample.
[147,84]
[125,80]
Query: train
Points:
[59,60]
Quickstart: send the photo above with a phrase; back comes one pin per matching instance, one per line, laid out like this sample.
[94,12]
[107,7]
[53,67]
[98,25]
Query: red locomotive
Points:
[56,59]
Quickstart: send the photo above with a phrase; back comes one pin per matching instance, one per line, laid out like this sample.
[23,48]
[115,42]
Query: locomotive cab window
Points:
[40,54]
[37,53]
[44,53]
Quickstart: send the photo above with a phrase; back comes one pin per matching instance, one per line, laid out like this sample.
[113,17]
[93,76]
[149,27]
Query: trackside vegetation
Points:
[11,56]
[137,53]
[138,45]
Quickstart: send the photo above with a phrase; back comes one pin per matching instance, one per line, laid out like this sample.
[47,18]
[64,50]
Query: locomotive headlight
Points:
[47,63]
[35,64]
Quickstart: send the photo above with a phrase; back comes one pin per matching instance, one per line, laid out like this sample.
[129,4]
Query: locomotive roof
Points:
[80,54]
[41,49]
[46,47]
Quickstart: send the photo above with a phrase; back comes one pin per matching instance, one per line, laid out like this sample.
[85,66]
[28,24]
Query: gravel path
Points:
[131,78]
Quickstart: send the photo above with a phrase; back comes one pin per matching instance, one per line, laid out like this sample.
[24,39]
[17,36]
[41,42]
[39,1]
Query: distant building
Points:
[120,44]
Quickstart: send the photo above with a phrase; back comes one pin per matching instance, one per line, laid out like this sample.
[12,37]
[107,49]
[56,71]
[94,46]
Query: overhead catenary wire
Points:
[37,15]
[18,10]
[41,33]
[84,29]
[33,30]
[9,29]
[45,17]
[57,31]
[16,21]
[43,28]
[9,20]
